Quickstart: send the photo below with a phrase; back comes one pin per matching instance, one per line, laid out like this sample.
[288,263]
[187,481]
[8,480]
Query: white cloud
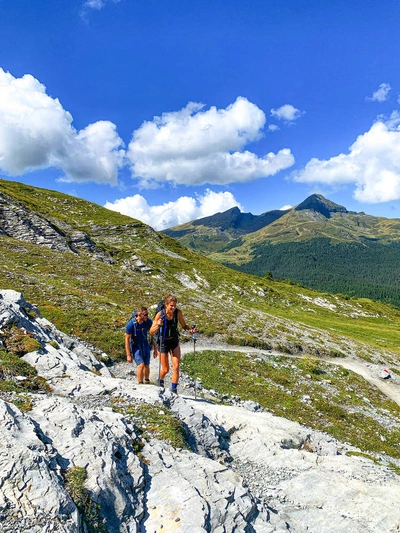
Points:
[287,112]
[273,127]
[36,132]
[285,207]
[171,214]
[372,164]
[381,94]
[97,4]
[195,146]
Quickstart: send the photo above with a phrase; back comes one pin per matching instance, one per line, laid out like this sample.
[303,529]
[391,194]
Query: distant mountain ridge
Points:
[234,218]
[317,243]
[238,223]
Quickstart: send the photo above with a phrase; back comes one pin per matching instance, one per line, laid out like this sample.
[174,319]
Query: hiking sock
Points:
[174,387]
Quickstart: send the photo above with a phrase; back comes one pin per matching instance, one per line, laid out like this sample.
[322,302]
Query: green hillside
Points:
[91,294]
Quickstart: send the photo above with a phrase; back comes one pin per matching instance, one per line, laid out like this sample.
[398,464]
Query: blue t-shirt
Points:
[138,332]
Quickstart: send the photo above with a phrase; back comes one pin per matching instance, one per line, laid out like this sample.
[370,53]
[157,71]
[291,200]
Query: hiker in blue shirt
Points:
[136,343]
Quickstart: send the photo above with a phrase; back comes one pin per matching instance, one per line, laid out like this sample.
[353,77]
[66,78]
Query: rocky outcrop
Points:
[20,223]
[245,470]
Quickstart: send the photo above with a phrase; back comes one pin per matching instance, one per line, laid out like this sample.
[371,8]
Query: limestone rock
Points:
[246,470]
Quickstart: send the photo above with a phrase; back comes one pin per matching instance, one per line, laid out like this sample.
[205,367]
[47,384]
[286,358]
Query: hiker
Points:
[166,321]
[136,343]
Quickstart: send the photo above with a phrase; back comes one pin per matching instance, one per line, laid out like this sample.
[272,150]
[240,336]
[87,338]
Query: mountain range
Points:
[318,243]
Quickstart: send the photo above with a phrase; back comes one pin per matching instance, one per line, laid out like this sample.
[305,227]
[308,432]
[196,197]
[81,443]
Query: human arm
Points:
[128,347]
[184,325]
[157,323]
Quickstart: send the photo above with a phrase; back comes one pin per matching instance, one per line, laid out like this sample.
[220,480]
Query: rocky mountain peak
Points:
[318,203]
[226,219]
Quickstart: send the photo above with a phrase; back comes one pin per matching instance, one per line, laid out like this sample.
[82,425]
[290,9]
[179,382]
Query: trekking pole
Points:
[194,363]
[159,356]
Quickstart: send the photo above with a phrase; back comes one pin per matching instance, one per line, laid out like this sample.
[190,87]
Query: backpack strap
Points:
[175,320]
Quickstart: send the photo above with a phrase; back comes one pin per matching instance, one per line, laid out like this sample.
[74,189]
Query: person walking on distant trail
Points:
[136,344]
[167,321]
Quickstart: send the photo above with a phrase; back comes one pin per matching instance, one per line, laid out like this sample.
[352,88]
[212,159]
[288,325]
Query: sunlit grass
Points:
[321,396]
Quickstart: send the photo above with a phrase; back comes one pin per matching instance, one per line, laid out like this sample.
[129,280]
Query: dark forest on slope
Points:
[371,270]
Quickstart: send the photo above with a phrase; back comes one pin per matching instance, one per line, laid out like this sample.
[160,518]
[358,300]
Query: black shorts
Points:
[168,345]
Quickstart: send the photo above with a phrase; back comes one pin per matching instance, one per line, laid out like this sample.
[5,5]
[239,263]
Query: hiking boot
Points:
[160,382]
[146,381]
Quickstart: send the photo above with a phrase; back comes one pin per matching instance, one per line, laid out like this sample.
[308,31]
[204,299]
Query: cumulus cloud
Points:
[287,112]
[372,164]
[36,133]
[170,214]
[194,146]
[381,94]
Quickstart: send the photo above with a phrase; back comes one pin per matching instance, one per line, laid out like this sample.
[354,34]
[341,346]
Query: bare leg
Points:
[164,365]
[140,370]
[176,361]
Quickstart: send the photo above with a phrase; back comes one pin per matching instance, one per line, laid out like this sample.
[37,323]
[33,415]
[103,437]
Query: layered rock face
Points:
[18,222]
[245,470]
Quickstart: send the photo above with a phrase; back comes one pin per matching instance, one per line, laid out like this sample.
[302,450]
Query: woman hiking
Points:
[167,322]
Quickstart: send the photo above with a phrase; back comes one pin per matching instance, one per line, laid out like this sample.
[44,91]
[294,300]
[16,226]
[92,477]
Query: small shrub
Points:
[20,341]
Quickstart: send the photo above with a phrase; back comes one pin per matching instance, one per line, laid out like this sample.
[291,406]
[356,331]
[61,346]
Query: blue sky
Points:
[172,110]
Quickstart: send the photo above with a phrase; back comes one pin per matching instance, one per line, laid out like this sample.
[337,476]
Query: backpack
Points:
[161,309]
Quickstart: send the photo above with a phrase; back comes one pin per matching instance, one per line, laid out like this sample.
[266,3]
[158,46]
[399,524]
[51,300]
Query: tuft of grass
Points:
[54,344]
[12,366]
[154,421]
[90,511]
[19,341]
[24,403]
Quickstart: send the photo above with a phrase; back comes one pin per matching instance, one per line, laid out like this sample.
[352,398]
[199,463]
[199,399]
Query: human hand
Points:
[129,359]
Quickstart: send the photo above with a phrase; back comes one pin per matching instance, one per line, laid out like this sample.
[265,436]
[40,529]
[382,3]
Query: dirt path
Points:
[370,372]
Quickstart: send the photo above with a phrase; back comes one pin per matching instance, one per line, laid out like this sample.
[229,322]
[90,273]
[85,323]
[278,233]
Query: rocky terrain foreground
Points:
[246,471]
